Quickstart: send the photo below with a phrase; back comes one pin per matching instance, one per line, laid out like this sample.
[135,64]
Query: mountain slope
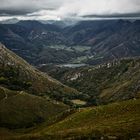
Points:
[17,74]
[108,39]
[113,121]
[115,81]
[122,43]
[118,120]
[29,39]
[19,109]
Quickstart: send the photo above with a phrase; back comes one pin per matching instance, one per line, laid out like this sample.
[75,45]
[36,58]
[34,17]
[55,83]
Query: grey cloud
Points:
[13,12]
[114,15]
[61,9]
[29,5]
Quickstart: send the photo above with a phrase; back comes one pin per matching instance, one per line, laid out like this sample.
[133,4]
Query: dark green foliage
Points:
[3,80]
[9,76]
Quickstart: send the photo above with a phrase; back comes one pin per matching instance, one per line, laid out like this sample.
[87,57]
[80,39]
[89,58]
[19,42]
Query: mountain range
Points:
[75,81]
[106,40]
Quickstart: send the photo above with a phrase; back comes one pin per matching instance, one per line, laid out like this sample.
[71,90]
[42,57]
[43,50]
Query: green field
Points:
[71,48]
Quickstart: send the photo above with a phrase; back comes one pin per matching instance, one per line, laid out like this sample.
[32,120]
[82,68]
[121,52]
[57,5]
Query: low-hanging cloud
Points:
[60,9]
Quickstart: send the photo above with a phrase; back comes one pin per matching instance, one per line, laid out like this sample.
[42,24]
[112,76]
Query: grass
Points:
[72,48]
[118,120]
[22,110]
[43,119]
[5,93]
[81,48]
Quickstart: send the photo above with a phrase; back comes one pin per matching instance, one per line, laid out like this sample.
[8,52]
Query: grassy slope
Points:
[20,109]
[117,120]
[14,67]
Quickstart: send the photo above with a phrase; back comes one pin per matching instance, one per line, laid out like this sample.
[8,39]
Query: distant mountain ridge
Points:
[108,39]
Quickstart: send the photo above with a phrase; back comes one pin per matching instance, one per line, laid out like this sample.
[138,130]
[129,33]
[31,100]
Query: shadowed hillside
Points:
[17,74]
[19,109]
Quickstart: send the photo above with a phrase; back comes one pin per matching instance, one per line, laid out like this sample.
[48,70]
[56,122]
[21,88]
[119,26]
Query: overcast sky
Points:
[61,9]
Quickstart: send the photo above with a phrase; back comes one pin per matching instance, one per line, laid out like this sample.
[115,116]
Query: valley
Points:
[78,81]
[101,84]
[90,42]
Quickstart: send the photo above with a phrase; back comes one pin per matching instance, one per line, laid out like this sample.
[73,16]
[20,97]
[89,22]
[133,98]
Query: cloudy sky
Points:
[65,9]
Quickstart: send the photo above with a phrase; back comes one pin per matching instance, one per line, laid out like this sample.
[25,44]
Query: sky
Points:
[68,9]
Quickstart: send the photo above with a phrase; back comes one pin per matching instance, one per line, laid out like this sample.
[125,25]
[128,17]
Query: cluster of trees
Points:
[9,78]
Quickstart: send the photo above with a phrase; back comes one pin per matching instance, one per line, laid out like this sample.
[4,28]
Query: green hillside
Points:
[113,121]
[19,109]
[17,74]
[118,119]
[115,81]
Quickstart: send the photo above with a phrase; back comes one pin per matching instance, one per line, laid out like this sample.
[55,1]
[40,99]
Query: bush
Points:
[3,80]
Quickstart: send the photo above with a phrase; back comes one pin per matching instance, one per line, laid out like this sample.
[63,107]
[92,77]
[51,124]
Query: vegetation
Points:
[22,110]
[120,120]
[28,109]
[113,121]
[17,74]
[109,82]
[10,76]
[50,54]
